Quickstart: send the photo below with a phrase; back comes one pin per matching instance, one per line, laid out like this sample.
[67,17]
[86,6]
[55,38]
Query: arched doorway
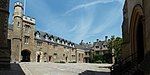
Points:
[137,34]
[25,56]
[140,40]
[38,58]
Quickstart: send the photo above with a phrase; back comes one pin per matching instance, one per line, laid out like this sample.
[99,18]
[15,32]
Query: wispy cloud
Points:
[87,5]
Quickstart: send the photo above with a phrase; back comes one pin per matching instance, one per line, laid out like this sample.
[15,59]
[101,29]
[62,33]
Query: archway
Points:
[25,56]
[137,34]
[139,40]
[38,58]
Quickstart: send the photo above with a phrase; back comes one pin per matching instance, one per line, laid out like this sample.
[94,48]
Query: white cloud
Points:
[85,24]
[87,5]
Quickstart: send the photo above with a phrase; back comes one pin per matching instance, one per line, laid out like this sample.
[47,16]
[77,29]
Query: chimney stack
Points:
[97,40]
[106,38]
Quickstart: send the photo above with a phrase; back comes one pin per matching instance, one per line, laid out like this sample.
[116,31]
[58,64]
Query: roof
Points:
[84,46]
[43,34]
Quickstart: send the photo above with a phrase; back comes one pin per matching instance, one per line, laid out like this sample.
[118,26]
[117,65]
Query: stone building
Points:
[91,49]
[30,45]
[136,38]
[84,51]
[4,49]
[100,47]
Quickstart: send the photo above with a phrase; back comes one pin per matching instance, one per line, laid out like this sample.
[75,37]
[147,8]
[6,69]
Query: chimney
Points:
[106,38]
[89,42]
[97,40]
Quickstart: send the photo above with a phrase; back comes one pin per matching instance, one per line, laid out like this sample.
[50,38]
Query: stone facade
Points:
[136,37]
[4,14]
[4,49]
[31,45]
[100,47]
[27,44]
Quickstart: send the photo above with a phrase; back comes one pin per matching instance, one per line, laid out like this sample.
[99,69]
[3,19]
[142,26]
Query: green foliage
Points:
[115,43]
[106,58]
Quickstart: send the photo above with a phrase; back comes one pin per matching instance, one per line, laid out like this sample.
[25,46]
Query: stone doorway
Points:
[140,40]
[25,56]
[38,58]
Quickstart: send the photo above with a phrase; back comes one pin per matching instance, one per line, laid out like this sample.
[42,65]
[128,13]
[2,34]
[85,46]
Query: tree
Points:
[115,43]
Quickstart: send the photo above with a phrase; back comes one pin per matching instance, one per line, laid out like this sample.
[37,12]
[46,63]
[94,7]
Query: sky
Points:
[76,20]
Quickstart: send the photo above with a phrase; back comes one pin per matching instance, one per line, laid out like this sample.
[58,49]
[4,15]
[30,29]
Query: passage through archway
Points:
[38,58]
[137,34]
[139,40]
[25,56]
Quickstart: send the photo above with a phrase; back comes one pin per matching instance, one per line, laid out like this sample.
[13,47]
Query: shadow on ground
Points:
[88,72]
[15,69]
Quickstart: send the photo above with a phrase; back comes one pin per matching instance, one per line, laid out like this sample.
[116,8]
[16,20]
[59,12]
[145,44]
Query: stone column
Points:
[4,49]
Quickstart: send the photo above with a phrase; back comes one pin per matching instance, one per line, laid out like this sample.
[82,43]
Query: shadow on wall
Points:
[88,72]
[15,69]
[145,65]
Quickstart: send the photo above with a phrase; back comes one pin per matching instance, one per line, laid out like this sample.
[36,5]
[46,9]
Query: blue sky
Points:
[76,20]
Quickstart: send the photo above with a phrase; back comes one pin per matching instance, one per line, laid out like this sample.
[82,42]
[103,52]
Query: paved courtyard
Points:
[64,69]
[57,69]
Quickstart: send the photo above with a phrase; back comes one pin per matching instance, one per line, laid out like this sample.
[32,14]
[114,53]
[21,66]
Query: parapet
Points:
[19,4]
[28,19]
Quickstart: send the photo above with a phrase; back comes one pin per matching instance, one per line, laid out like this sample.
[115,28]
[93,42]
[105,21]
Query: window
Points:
[72,50]
[27,28]
[39,43]
[26,39]
[86,53]
[52,39]
[46,37]
[4,4]
[18,24]
[37,35]
[55,53]
[97,46]
[79,54]
[97,52]
[73,56]
[63,55]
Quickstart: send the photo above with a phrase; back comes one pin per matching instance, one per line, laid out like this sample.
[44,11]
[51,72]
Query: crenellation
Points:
[29,19]
[18,4]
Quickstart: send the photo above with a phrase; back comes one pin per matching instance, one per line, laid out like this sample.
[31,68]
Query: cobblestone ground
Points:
[64,69]
[56,69]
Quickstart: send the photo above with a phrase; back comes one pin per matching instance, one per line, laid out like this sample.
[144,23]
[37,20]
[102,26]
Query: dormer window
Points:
[58,41]
[46,37]
[37,35]
[51,38]
[97,46]
[66,43]
[62,41]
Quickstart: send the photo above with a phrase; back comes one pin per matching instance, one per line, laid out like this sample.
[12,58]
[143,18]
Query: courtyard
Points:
[33,68]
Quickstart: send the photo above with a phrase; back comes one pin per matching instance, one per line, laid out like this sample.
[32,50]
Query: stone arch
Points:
[25,55]
[137,33]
